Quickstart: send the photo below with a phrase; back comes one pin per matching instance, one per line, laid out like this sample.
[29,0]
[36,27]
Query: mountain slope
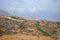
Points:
[12,25]
[3,12]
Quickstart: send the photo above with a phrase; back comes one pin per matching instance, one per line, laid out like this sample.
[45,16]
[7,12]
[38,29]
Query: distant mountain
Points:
[40,15]
[3,12]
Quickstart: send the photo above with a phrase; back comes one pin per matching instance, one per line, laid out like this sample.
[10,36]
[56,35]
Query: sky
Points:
[46,9]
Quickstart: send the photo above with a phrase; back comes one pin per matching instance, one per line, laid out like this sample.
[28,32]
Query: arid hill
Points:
[16,28]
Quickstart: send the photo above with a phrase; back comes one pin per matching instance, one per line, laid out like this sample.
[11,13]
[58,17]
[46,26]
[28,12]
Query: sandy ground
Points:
[24,37]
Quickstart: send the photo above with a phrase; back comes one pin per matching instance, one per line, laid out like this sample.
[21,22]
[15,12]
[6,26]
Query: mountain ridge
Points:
[3,12]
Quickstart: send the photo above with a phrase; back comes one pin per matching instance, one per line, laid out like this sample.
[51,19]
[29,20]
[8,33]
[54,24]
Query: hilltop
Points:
[13,25]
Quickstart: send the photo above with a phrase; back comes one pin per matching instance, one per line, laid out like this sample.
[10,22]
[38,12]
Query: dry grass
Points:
[28,25]
[25,37]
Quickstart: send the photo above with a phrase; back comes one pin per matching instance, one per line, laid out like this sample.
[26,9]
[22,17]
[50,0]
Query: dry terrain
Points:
[16,28]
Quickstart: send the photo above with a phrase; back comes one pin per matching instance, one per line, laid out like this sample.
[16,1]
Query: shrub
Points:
[13,17]
[58,22]
[54,38]
[25,20]
[54,32]
[7,32]
[34,34]
[1,32]
[21,26]
[45,33]
[10,27]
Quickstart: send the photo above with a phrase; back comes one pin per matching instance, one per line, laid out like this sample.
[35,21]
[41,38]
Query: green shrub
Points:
[54,32]
[7,32]
[1,32]
[21,26]
[13,17]
[43,31]
[58,22]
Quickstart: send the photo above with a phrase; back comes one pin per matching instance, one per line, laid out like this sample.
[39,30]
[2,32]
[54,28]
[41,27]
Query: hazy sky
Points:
[33,6]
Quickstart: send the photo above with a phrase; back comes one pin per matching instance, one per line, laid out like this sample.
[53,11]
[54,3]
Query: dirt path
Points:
[24,37]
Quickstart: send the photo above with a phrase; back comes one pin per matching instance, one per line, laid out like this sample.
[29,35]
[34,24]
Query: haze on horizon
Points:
[35,9]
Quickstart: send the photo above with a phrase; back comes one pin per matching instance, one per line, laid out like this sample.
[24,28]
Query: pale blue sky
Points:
[44,4]
[46,9]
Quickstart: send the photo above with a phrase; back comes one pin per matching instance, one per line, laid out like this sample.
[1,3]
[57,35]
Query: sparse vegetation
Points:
[58,22]
[1,32]
[7,32]
[54,37]
[21,26]
[34,34]
[13,17]
[28,27]
[25,20]
[53,30]
[43,31]
[54,33]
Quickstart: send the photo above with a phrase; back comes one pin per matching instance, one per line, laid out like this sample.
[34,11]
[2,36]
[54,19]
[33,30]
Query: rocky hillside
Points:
[12,25]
